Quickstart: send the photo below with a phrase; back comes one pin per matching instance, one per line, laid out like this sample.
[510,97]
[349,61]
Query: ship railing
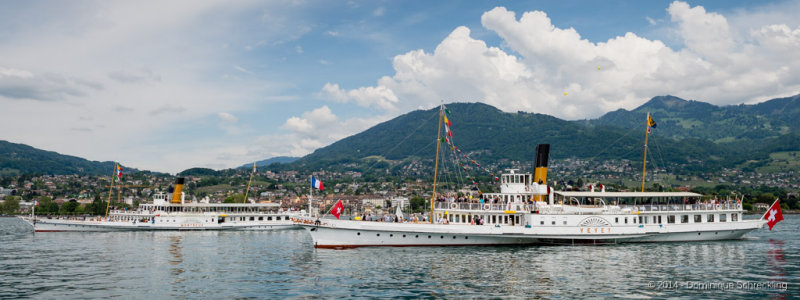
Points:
[684,207]
[484,207]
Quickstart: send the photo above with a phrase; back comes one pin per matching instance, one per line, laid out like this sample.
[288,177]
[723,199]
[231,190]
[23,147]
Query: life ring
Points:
[486,206]
[453,206]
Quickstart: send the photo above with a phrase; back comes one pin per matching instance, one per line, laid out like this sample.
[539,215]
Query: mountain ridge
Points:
[687,131]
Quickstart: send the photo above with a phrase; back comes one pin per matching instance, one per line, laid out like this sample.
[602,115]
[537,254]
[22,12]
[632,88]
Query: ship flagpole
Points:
[111,189]
[248,183]
[310,194]
[436,163]
[644,163]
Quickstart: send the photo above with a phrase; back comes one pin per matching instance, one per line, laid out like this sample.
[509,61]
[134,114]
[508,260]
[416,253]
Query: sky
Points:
[170,85]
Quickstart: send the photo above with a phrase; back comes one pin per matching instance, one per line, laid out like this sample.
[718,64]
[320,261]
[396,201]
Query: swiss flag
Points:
[774,214]
[337,209]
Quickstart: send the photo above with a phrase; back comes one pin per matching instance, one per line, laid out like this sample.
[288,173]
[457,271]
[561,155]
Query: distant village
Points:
[409,185]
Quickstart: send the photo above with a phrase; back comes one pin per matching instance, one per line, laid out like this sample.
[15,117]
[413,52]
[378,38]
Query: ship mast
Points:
[436,163]
[644,163]
[248,183]
[111,188]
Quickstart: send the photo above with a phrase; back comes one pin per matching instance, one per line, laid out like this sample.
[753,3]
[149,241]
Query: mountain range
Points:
[697,135]
[687,132]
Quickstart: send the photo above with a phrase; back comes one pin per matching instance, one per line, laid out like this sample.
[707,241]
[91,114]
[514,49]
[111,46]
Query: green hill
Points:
[23,159]
[699,136]
[679,118]
[494,135]
[269,161]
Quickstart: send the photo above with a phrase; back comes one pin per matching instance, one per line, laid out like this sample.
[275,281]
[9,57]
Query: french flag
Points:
[316,183]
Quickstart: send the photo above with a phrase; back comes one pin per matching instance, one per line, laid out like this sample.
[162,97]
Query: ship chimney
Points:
[176,195]
[540,171]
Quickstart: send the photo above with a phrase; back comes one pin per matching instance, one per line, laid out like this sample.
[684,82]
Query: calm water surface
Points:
[283,264]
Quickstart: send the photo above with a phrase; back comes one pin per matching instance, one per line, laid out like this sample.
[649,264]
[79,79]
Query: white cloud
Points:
[378,12]
[707,34]
[228,118]
[379,97]
[315,129]
[26,85]
[298,49]
[650,20]
[542,62]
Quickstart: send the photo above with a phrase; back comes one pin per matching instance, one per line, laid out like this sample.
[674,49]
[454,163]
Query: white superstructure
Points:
[175,215]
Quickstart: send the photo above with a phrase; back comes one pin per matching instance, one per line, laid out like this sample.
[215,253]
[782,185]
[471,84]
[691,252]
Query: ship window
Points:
[391,235]
[684,219]
[616,220]
[723,217]
[441,237]
[541,222]
[734,217]
[698,218]
[640,219]
[378,234]
[710,218]
[252,218]
[429,236]
[358,233]
[404,235]
[269,218]
[416,236]
[554,223]
[659,220]
[671,219]
[494,219]
[261,218]
[626,220]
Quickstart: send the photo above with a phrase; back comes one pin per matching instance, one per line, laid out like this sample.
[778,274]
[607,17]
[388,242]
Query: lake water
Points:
[232,264]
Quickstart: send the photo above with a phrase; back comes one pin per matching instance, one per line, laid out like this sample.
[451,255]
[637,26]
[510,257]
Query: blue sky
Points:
[170,85]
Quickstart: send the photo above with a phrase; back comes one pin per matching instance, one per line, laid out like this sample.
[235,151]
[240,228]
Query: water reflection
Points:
[177,256]
[282,264]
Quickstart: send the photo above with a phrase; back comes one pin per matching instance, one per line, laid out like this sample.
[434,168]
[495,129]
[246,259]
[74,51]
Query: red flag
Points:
[773,214]
[337,209]
[118,175]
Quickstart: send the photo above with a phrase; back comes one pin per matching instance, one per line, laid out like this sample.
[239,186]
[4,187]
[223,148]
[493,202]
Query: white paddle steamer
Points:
[174,214]
[526,211]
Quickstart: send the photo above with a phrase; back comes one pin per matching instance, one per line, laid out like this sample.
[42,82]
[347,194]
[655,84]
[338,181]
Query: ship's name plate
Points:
[595,230]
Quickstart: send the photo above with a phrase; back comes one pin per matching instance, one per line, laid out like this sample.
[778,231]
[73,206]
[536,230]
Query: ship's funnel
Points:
[542,154]
[176,195]
[540,171]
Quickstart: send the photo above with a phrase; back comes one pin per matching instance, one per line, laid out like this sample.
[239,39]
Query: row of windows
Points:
[487,219]
[238,219]
[684,219]
[671,219]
